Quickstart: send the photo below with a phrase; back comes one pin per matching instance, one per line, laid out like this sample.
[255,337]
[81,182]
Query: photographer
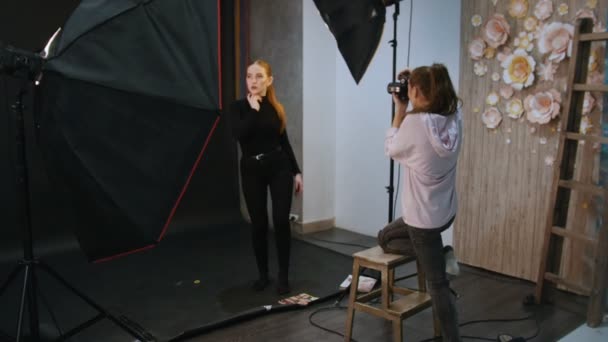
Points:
[425,141]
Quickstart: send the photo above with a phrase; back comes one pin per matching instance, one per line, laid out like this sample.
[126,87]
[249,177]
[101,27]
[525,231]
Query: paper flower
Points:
[585,125]
[542,141]
[588,103]
[546,71]
[506,91]
[491,117]
[543,9]
[556,39]
[494,2]
[502,55]
[476,20]
[495,77]
[562,9]
[480,68]
[519,68]
[476,49]
[595,77]
[530,24]
[518,8]
[492,98]
[542,106]
[489,52]
[496,31]
[515,108]
[592,3]
[524,41]
[549,160]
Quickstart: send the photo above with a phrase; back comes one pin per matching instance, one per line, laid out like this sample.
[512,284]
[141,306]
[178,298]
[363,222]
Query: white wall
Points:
[354,118]
[363,111]
[319,117]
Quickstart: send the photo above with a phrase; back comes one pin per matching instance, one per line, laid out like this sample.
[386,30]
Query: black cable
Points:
[328,308]
[500,320]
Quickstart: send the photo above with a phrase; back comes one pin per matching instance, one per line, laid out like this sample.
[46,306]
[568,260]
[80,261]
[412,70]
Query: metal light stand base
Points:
[29,265]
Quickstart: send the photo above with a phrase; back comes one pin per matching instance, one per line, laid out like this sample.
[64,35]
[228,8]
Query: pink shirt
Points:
[427,146]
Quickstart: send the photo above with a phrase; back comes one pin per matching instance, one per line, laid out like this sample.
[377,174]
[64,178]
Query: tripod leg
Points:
[32,300]
[22,303]
[130,330]
[10,278]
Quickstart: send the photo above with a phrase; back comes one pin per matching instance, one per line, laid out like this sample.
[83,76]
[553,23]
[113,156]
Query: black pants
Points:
[271,172]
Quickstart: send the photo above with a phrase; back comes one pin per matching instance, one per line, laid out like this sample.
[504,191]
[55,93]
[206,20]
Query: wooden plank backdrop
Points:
[505,174]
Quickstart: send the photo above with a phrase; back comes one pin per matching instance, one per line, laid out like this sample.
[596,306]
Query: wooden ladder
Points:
[557,230]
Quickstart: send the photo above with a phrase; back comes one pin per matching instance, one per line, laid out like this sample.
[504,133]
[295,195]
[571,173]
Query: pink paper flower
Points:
[496,31]
[556,39]
[502,55]
[542,106]
[476,49]
[546,71]
[588,103]
[506,91]
[491,117]
[518,8]
[519,69]
[543,9]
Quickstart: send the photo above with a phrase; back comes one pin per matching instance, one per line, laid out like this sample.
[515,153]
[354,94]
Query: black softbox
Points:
[357,26]
[129,99]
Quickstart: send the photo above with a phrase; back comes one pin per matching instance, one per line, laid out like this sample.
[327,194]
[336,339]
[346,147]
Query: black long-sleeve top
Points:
[259,131]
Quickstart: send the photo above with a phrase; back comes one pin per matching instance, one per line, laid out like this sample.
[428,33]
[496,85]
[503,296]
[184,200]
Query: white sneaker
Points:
[451,264]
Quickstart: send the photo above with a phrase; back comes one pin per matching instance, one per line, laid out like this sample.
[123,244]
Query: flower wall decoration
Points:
[515,108]
[543,9]
[491,117]
[477,48]
[518,8]
[556,40]
[519,69]
[542,106]
[496,31]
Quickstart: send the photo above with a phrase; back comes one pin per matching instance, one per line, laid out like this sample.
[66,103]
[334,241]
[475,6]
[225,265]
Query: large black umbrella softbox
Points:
[130,97]
[357,26]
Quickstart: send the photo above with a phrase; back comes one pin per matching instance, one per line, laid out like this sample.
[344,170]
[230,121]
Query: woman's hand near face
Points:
[299,183]
[254,101]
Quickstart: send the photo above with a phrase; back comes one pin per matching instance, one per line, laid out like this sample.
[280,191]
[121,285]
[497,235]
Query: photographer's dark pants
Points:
[270,172]
[400,238]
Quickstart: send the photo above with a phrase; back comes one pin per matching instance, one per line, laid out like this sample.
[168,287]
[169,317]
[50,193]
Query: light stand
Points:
[28,65]
[390,188]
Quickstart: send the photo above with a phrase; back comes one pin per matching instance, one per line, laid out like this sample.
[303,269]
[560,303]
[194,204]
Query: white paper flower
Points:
[532,130]
[515,108]
[546,71]
[585,125]
[492,98]
[542,106]
[543,9]
[549,160]
[480,68]
[476,48]
[542,140]
[524,41]
[519,69]
[476,20]
[495,77]
[556,39]
[518,8]
[562,9]
[508,141]
[496,31]
[491,117]
[588,103]
[530,24]
[506,91]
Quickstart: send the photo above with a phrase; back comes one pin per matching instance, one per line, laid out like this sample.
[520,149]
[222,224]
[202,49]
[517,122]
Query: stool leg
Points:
[354,284]
[385,292]
[397,330]
[391,283]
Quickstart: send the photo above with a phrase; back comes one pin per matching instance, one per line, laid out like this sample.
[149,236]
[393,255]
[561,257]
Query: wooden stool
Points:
[410,303]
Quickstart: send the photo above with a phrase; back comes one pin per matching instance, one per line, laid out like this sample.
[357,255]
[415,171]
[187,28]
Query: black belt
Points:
[264,155]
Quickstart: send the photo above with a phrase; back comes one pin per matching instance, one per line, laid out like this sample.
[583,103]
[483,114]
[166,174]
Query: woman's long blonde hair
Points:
[271,95]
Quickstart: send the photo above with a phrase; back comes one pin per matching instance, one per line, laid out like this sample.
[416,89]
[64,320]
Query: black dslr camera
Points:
[400,87]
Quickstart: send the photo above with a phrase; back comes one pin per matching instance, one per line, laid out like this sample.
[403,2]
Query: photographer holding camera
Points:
[426,140]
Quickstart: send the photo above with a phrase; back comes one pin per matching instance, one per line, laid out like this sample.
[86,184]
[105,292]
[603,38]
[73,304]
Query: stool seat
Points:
[377,256]
[394,309]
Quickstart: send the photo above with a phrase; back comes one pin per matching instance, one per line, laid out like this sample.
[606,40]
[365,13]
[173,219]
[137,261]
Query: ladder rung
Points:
[561,281]
[585,37]
[584,187]
[590,87]
[573,235]
[578,136]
